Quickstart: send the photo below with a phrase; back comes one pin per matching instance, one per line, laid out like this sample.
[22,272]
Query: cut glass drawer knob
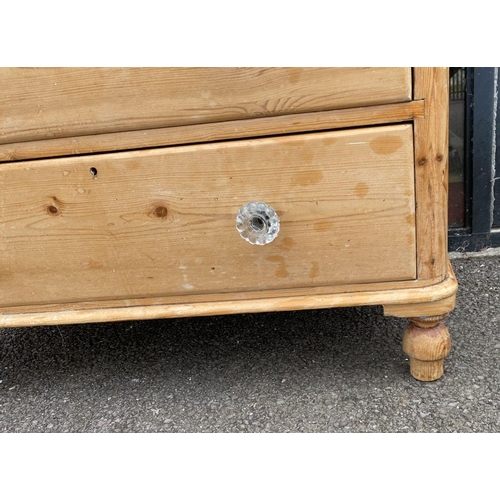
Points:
[257,223]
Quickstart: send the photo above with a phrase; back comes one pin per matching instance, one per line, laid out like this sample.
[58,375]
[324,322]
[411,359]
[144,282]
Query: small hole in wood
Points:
[93,171]
[52,210]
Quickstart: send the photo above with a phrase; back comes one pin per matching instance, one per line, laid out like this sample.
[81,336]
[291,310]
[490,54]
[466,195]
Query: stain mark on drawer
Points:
[281,271]
[287,243]
[92,264]
[6,275]
[386,144]
[410,218]
[322,226]
[307,178]
[330,141]
[361,189]
[314,270]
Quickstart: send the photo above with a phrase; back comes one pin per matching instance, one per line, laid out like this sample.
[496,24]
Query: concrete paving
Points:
[338,370]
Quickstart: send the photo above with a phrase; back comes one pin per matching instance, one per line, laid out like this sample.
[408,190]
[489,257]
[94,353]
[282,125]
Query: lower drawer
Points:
[161,222]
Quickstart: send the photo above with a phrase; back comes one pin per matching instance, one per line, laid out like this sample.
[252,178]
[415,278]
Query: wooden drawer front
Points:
[161,222]
[44,103]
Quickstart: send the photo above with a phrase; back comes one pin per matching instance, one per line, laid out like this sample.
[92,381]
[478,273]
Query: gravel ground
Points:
[331,371]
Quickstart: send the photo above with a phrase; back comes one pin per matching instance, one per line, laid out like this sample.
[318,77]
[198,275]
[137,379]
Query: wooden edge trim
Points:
[216,297]
[431,171]
[425,294]
[436,307]
[193,134]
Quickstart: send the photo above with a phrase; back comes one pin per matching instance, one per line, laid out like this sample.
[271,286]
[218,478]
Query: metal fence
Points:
[457,84]
[482,157]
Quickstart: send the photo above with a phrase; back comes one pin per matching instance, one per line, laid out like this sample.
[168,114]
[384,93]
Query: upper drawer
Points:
[43,103]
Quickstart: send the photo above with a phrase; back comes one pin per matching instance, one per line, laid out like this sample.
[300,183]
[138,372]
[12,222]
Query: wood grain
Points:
[192,134]
[143,309]
[161,222]
[431,172]
[431,306]
[443,306]
[426,348]
[45,103]
[425,292]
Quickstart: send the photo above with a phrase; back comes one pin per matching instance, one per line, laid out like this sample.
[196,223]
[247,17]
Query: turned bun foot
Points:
[426,341]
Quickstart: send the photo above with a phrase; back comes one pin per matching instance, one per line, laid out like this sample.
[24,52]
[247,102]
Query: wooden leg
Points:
[427,341]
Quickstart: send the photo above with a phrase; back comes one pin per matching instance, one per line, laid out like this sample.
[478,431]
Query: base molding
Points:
[427,300]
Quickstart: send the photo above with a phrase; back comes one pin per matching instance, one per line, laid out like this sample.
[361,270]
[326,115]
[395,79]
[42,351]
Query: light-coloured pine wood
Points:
[426,348]
[134,243]
[191,134]
[427,341]
[431,172]
[400,292]
[437,305]
[215,304]
[428,321]
[443,306]
[418,285]
[43,103]
[162,222]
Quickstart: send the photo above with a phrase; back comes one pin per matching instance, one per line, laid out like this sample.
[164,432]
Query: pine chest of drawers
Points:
[136,193]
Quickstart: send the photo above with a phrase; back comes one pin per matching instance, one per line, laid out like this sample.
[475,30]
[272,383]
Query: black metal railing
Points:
[481,194]
[457,84]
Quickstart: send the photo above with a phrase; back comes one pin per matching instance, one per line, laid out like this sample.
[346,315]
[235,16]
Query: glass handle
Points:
[257,223]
